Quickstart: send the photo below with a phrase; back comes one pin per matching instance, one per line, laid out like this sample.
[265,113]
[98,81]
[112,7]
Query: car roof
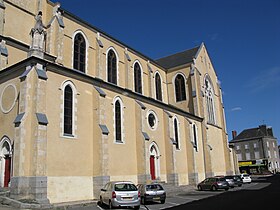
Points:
[121,182]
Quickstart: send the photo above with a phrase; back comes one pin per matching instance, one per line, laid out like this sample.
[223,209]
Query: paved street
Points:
[261,190]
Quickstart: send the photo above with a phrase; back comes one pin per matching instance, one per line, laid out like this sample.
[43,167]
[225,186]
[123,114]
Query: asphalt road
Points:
[263,193]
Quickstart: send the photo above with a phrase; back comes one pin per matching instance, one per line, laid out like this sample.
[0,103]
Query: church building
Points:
[79,108]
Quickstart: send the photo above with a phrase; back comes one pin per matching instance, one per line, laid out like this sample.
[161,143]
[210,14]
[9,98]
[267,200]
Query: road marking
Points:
[176,204]
[189,198]
[100,207]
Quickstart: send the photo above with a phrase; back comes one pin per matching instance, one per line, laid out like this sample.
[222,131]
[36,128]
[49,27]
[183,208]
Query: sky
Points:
[242,38]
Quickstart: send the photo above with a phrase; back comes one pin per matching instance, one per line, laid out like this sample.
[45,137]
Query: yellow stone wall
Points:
[72,162]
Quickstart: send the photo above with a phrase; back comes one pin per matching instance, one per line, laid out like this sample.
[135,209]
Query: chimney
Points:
[269,131]
[234,134]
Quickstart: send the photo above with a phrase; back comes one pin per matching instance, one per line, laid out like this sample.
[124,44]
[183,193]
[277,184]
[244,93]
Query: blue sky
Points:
[241,36]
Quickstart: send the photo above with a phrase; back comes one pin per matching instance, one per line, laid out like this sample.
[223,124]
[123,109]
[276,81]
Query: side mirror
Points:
[103,190]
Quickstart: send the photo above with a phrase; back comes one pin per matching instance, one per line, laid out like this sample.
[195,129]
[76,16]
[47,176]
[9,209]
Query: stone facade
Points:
[112,131]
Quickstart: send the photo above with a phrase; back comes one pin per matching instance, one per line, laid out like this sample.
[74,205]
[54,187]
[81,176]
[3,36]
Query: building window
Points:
[209,96]
[79,61]
[137,78]
[268,154]
[237,147]
[239,156]
[176,133]
[246,146]
[194,130]
[248,156]
[180,89]
[118,121]
[257,155]
[112,67]
[158,87]
[68,110]
[152,120]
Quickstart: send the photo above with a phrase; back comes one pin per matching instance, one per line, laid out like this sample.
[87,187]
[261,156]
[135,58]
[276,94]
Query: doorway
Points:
[154,161]
[5,162]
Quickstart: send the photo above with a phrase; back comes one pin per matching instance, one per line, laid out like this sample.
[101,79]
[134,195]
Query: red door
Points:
[152,167]
[7,173]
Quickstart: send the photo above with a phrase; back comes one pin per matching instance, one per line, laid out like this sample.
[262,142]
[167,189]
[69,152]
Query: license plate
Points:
[156,198]
[127,198]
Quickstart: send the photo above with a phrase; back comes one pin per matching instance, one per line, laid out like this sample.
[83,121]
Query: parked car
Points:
[120,194]
[237,180]
[230,180]
[213,183]
[151,192]
[246,178]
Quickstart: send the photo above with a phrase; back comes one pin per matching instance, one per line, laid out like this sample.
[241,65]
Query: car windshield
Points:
[246,175]
[221,179]
[154,187]
[125,187]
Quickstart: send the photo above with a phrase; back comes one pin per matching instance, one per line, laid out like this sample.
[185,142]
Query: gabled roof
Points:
[178,59]
[253,133]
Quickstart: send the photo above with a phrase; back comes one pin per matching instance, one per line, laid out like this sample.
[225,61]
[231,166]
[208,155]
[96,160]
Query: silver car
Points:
[230,181]
[151,192]
[120,194]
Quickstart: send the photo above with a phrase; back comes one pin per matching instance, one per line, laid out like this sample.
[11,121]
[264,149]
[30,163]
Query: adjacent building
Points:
[256,150]
[79,108]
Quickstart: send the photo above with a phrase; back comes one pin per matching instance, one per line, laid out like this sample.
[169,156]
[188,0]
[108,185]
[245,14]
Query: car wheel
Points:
[110,205]
[239,185]
[101,201]
[226,189]
[136,207]
[143,200]
[213,188]
[199,188]
[162,201]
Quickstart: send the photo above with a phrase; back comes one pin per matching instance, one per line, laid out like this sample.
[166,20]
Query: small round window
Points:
[152,120]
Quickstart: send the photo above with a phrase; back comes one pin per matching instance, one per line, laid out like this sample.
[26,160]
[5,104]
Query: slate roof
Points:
[252,133]
[178,59]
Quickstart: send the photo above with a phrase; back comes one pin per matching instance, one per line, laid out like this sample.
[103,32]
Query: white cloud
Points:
[265,79]
[236,109]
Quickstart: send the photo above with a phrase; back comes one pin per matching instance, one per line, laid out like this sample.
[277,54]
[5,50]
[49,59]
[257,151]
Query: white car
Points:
[246,178]
[120,194]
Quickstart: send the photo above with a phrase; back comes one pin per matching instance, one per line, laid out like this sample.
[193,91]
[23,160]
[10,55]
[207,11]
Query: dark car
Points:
[237,180]
[230,181]
[213,183]
[151,193]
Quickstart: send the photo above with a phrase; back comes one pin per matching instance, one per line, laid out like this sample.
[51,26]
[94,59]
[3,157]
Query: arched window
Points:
[68,110]
[79,61]
[209,97]
[180,89]
[137,78]
[194,131]
[158,87]
[112,67]
[118,121]
[176,133]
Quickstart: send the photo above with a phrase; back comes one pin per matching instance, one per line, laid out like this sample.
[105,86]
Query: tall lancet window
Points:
[180,89]
[158,87]
[137,78]
[112,67]
[209,97]
[79,61]
[68,110]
